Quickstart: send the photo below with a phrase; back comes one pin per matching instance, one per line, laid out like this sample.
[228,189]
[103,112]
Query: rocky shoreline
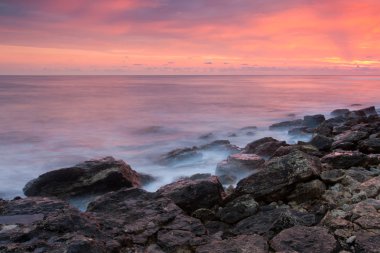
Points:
[317,196]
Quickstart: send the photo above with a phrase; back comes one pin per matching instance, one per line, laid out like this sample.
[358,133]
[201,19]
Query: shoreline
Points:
[322,196]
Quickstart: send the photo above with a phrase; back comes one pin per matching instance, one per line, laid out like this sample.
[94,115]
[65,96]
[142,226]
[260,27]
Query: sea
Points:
[52,122]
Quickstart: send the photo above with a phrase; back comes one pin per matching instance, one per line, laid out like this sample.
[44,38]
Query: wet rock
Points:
[144,216]
[239,165]
[180,155]
[307,191]
[282,171]
[304,239]
[191,195]
[321,142]
[369,111]
[339,112]
[348,139]
[238,209]
[344,159]
[333,176]
[220,145]
[270,222]
[325,129]
[370,146]
[313,120]
[90,177]
[242,243]
[264,147]
[286,124]
[203,214]
[300,131]
[306,148]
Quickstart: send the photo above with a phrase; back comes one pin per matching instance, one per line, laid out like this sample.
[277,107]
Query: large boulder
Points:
[286,125]
[369,111]
[238,209]
[344,159]
[191,195]
[280,172]
[145,220]
[239,165]
[321,142]
[304,239]
[339,112]
[241,243]
[90,177]
[313,120]
[264,147]
[269,222]
[348,139]
[307,191]
[371,145]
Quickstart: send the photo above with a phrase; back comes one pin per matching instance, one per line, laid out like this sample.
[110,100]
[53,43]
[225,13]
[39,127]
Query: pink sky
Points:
[190,37]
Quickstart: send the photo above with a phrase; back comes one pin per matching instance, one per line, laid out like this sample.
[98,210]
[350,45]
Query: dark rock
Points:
[325,129]
[313,120]
[264,147]
[339,112]
[227,179]
[144,216]
[90,177]
[220,145]
[306,148]
[369,111]
[361,174]
[304,239]
[270,222]
[307,191]
[300,131]
[348,139]
[332,176]
[203,214]
[321,142]
[239,165]
[282,171]
[216,227]
[180,155]
[191,195]
[370,146]
[238,209]
[200,176]
[286,124]
[344,159]
[241,243]
[248,128]
[367,242]
[206,136]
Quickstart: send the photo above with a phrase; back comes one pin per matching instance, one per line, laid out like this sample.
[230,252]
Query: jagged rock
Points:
[241,243]
[90,177]
[348,139]
[238,209]
[191,195]
[270,222]
[306,148]
[239,165]
[304,239]
[307,191]
[264,147]
[300,131]
[321,142]
[371,187]
[313,120]
[286,124]
[369,146]
[361,174]
[339,112]
[143,216]
[332,176]
[282,171]
[369,111]
[203,214]
[367,242]
[344,159]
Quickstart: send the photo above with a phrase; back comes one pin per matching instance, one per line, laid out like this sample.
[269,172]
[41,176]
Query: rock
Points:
[180,155]
[307,191]
[348,139]
[304,239]
[344,159]
[371,187]
[238,209]
[370,146]
[361,174]
[369,111]
[50,225]
[339,112]
[300,131]
[367,242]
[241,243]
[270,222]
[239,165]
[332,176]
[206,136]
[286,124]
[203,214]
[216,227]
[200,176]
[325,129]
[282,171]
[191,195]
[321,142]
[306,148]
[143,218]
[313,120]
[264,147]
[90,177]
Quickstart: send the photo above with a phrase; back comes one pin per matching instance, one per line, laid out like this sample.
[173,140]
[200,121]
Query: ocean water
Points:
[50,122]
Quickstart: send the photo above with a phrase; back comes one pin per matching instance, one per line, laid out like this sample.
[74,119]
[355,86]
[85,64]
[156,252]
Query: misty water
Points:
[57,121]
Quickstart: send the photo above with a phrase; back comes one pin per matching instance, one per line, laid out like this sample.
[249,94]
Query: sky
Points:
[189,37]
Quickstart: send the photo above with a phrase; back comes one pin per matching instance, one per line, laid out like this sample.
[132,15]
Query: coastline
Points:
[320,196]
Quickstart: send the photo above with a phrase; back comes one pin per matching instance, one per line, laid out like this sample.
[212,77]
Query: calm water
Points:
[53,122]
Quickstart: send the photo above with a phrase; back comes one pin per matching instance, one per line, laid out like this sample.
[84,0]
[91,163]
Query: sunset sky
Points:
[190,37]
